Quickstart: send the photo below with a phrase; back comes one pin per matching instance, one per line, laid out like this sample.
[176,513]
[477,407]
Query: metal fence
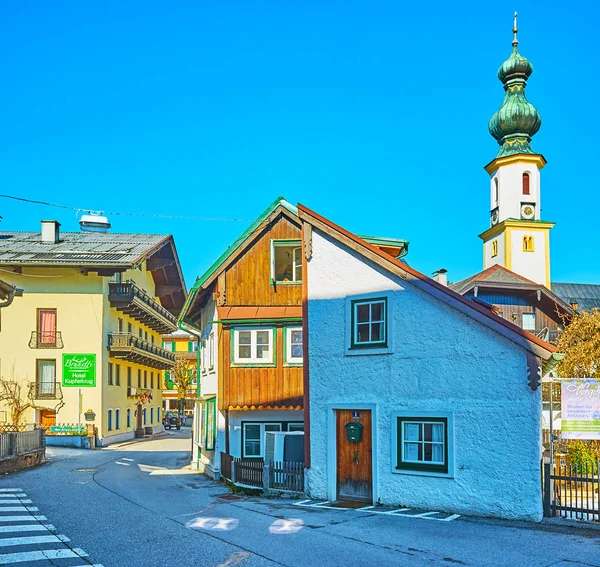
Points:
[18,443]
[572,491]
[286,476]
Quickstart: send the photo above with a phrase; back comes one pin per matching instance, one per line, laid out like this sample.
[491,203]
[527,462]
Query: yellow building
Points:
[184,346]
[87,332]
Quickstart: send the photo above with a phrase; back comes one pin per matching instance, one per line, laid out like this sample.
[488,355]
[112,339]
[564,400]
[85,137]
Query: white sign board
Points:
[580,410]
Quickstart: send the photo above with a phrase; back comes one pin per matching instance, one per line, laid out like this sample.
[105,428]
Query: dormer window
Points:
[526,190]
[286,261]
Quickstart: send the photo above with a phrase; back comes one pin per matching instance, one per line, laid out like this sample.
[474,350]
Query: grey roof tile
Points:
[586,295]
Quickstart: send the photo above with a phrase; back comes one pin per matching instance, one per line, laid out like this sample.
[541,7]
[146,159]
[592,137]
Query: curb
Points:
[142,440]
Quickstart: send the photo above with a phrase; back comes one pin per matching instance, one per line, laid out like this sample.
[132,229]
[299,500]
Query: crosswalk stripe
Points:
[24,556]
[27,518]
[2,501]
[6,495]
[11,490]
[15,509]
[26,528]
[29,540]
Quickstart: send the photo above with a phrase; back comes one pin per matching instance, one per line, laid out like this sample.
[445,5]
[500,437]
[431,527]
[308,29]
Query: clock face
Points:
[527,211]
[494,217]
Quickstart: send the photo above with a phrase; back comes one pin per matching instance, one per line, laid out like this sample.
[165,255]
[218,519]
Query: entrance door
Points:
[354,458]
[47,418]
[139,426]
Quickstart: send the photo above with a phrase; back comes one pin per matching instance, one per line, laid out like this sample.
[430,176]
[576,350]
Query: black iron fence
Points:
[572,491]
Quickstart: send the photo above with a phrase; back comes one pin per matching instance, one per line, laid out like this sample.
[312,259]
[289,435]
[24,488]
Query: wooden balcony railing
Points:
[129,298]
[129,347]
[46,339]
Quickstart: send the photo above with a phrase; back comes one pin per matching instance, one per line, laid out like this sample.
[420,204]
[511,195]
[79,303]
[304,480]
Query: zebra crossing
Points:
[28,539]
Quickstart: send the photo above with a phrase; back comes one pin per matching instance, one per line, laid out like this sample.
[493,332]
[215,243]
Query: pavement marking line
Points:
[24,556]
[450,518]
[2,501]
[11,490]
[22,518]
[6,495]
[15,509]
[423,515]
[29,540]
[31,509]
[27,528]
[301,502]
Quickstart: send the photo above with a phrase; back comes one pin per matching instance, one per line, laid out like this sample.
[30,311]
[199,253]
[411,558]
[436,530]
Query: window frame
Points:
[117,419]
[354,323]
[422,468]
[288,359]
[210,424]
[261,446]
[39,393]
[109,420]
[52,334]
[211,351]
[253,361]
[533,318]
[128,418]
[295,244]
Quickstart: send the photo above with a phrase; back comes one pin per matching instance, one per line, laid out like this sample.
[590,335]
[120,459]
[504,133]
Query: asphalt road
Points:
[140,506]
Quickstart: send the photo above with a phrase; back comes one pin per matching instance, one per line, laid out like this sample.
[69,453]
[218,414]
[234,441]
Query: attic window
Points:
[286,261]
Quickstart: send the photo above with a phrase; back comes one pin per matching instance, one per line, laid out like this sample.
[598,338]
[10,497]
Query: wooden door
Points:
[47,418]
[354,459]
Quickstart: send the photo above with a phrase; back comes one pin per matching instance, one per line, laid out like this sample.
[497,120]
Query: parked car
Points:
[172,419]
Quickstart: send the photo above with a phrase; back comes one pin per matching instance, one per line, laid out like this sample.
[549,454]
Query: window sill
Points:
[361,351]
[292,364]
[253,365]
[285,283]
[416,472]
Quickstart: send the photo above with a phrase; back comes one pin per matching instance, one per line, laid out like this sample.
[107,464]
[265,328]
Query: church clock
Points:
[527,211]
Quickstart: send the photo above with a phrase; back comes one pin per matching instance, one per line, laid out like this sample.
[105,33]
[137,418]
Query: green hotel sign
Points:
[79,370]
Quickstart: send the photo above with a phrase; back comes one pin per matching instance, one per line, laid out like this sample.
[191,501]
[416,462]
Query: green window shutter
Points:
[190,347]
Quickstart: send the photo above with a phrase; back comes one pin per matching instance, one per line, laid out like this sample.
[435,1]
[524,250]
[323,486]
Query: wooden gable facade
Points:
[247,297]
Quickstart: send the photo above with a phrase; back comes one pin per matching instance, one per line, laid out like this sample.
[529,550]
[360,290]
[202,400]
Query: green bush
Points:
[584,457]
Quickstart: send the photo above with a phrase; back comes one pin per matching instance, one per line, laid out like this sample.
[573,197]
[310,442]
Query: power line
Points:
[78,209]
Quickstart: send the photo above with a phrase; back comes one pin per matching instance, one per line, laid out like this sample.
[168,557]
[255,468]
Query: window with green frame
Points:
[210,418]
[369,323]
[422,444]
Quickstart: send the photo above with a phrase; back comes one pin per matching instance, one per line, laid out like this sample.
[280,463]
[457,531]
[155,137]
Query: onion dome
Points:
[517,120]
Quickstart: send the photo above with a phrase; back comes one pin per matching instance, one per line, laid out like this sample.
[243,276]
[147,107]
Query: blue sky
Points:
[374,114]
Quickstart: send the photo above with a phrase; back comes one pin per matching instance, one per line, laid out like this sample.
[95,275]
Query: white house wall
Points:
[442,361]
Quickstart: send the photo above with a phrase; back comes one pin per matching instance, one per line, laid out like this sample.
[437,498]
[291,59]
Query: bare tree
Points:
[12,395]
[182,374]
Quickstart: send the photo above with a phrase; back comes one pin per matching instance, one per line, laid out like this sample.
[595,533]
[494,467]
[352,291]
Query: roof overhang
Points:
[535,159]
[514,223]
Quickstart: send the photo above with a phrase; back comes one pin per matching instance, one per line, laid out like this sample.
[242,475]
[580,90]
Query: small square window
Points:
[293,349]
[286,261]
[529,321]
[253,346]
[369,323]
[422,444]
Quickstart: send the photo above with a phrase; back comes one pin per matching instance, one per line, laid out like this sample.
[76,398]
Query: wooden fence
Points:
[18,443]
[248,471]
[286,476]
[572,492]
[226,461]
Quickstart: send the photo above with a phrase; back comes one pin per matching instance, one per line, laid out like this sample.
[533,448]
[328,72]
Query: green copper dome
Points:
[517,120]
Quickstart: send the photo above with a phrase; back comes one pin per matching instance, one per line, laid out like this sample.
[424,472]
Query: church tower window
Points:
[528,244]
[526,190]
[496,190]
[494,248]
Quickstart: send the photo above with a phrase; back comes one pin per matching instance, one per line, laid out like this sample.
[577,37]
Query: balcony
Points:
[130,299]
[46,339]
[45,391]
[134,349]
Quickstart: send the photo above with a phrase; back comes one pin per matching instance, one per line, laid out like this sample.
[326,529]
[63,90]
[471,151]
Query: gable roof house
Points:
[413,389]
[91,319]
[247,310]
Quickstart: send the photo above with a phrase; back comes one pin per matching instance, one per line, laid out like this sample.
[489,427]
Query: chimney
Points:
[441,277]
[50,232]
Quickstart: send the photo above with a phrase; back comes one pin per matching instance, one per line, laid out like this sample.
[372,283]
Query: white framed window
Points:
[286,261]
[211,351]
[423,443]
[296,426]
[369,322]
[293,346]
[529,321]
[203,359]
[253,442]
[253,346]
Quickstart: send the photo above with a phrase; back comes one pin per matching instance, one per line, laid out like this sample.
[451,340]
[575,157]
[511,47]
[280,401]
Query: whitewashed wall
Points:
[442,361]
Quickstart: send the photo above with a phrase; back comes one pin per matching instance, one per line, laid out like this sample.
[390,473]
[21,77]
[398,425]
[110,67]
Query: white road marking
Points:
[22,518]
[424,515]
[29,540]
[5,495]
[301,502]
[14,509]
[11,490]
[2,501]
[31,509]
[24,556]
[122,464]
[27,528]
[126,459]
[450,518]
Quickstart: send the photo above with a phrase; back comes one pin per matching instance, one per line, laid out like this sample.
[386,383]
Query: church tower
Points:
[517,238]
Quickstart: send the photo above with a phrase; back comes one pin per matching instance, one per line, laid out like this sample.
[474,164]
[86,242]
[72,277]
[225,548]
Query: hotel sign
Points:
[580,411]
[79,370]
